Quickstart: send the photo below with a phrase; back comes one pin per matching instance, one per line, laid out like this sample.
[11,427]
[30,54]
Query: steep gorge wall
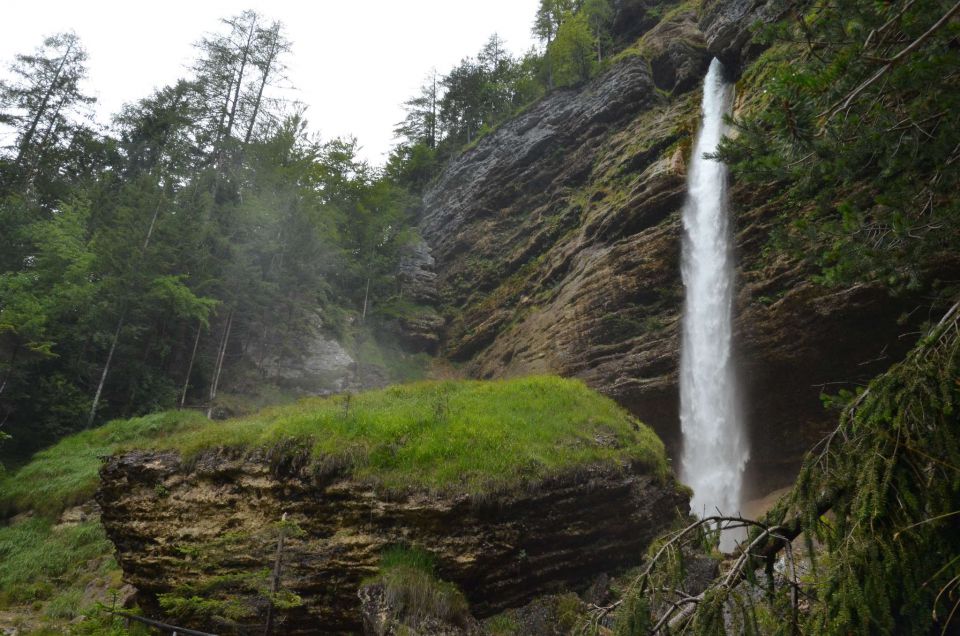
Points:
[557,246]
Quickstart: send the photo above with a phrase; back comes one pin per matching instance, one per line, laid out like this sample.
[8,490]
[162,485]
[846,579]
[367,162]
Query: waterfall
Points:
[714,446]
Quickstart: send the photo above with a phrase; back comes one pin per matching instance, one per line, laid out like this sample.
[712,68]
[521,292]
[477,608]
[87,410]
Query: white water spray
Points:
[714,446]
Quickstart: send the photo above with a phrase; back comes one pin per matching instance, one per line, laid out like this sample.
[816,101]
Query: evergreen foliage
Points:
[452,111]
[855,130]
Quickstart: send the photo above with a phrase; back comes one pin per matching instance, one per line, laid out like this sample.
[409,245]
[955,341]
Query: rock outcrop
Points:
[316,365]
[729,26]
[209,530]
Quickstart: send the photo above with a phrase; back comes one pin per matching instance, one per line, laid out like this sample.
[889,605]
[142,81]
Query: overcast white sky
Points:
[354,62]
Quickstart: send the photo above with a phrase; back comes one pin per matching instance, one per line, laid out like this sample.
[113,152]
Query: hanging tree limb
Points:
[848,100]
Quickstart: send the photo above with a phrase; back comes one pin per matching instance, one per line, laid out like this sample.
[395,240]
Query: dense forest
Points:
[160,277]
[208,220]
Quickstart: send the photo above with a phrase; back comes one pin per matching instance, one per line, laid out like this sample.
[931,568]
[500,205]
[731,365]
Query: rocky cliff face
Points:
[202,538]
[557,246]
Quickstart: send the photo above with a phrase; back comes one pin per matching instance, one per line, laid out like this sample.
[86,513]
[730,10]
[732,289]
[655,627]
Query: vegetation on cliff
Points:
[852,124]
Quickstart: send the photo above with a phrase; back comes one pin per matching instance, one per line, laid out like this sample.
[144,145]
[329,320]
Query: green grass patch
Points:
[413,558]
[456,437]
[40,561]
[468,436]
[67,474]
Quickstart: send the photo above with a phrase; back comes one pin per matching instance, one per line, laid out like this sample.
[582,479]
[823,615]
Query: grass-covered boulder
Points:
[514,488]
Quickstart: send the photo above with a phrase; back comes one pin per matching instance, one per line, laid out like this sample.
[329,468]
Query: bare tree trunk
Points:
[256,110]
[153,223]
[116,334]
[31,168]
[366,298]
[193,356]
[217,144]
[106,370]
[433,112]
[549,62]
[219,368]
[31,131]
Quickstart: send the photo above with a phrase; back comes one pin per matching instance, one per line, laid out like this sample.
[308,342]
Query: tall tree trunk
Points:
[256,110]
[219,368]
[193,356]
[218,141]
[106,370]
[433,112]
[31,131]
[549,62]
[32,167]
[153,224]
[366,298]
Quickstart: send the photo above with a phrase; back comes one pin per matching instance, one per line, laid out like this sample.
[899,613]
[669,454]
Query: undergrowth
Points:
[413,591]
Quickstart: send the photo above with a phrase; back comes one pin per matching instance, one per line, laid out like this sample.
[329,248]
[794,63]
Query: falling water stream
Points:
[714,446]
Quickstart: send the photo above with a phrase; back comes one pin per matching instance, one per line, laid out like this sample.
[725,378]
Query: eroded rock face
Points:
[558,242]
[677,52]
[315,364]
[210,527]
[729,26]
[417,275]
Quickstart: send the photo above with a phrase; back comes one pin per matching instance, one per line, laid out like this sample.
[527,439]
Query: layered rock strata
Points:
[210,528]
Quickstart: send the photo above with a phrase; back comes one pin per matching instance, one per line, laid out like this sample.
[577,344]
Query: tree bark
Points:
[193,356]
[267,68]
[106,370]
[240,73]
[366,298]
[153,223]
[219,368]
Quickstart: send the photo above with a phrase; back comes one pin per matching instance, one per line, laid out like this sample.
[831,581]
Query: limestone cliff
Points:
[557,246]
[206,534]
